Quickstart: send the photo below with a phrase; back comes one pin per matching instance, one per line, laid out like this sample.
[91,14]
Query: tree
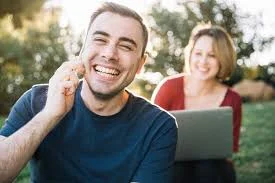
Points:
[20,9]
[170,31]
[30,55]
[267,74]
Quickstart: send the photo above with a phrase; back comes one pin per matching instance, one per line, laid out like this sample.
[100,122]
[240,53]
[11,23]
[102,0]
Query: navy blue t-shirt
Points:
[136,144]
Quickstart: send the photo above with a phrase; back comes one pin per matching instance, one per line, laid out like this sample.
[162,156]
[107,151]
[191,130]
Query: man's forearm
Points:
[17,149]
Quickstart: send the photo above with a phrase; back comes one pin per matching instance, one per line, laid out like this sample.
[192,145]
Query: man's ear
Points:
[141,63]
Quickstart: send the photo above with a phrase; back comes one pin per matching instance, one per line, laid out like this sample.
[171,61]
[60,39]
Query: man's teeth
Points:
[106,70]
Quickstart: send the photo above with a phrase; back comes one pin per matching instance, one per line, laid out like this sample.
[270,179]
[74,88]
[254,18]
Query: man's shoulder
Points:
[27,106]
[37,96]
[42,86]
[35,91]
[147,108]
[39,91]
[153,120]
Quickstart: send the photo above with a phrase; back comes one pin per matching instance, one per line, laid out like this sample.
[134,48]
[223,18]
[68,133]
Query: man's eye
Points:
[99,40]
[126,47]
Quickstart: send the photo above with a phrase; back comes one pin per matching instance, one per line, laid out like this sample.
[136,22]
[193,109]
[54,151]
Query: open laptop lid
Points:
[204,134]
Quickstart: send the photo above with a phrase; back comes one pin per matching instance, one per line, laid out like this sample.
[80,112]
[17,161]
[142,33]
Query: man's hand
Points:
[17,149]
[62,87]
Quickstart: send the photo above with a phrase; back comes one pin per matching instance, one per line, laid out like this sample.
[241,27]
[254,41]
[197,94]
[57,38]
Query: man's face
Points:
[112,54]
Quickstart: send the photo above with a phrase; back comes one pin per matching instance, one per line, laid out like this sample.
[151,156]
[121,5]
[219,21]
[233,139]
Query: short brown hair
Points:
[123,11]
[222,46]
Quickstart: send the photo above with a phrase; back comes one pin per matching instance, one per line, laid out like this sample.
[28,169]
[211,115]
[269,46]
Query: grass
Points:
[256,160]
[255,163]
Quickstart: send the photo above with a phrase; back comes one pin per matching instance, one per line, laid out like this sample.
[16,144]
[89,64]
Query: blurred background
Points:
[36,36]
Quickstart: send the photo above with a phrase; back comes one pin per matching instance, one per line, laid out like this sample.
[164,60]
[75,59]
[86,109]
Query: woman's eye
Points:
[198,53]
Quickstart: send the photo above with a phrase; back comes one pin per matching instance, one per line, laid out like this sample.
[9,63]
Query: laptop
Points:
[204,134]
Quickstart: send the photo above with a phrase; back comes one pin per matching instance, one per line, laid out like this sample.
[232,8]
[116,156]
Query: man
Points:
[92,130]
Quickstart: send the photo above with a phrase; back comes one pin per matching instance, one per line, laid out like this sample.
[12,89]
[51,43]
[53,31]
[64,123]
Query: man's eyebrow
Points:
[101,32]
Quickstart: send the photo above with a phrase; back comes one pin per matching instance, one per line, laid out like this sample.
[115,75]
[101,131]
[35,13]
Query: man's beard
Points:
[103,96]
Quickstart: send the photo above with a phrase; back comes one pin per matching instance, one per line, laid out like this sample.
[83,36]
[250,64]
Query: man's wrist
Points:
[46,115]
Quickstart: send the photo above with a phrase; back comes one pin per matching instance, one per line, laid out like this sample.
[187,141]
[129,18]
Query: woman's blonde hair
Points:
[222,46]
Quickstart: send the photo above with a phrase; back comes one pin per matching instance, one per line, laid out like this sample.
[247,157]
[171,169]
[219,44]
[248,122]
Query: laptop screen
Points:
[204,134]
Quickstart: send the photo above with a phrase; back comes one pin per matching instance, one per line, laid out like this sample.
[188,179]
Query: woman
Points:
[210,58]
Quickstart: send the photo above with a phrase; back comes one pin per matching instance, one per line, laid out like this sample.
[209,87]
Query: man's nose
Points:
[109,52]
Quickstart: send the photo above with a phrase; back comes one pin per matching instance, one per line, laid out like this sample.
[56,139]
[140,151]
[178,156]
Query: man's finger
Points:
[79,68]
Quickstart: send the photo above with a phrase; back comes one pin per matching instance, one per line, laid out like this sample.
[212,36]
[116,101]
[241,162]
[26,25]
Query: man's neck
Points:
[101,106]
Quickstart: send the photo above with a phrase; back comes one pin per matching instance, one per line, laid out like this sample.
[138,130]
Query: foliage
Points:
[20,9]
[256,160]
[267,74]
[29,56]
[264,73]
[170,31]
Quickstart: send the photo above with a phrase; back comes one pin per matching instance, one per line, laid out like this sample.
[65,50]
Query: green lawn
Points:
[255,163]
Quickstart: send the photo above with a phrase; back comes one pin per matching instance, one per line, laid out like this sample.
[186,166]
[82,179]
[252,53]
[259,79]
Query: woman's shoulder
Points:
[233,94]
[232,97]
[169,89]
[174,79]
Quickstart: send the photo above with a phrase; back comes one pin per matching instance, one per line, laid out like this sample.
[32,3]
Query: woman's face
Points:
[203,62]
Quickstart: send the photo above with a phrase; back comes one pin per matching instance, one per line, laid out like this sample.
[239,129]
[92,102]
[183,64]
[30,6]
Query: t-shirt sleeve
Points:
[20,114]
[161,95]
[157,165]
